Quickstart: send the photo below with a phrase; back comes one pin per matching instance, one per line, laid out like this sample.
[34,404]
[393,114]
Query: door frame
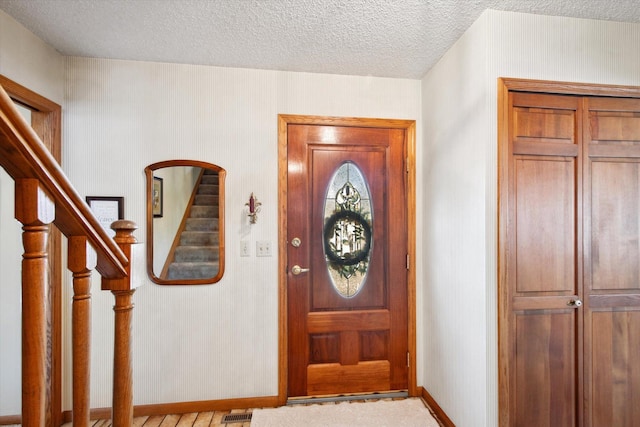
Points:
[409,127]
[46,120]
[505,86]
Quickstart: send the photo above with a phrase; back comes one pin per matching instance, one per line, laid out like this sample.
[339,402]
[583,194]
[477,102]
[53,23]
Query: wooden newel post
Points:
[123,289]
[82,260]
[36,211]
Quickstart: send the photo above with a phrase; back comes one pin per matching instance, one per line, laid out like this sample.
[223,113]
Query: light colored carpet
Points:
[382,413]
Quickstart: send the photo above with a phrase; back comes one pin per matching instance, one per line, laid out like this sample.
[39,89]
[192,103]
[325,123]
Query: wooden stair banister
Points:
[45,196]
[24,156]
[122,289]
[81,259]
[35,210]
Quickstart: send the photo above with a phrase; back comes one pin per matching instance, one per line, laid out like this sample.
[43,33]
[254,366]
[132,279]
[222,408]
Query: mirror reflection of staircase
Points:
[196,255]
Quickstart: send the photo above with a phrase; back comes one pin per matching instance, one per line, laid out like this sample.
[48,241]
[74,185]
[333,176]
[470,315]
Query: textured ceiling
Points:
[388,38]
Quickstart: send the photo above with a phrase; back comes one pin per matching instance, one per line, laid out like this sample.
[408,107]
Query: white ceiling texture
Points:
[385,38]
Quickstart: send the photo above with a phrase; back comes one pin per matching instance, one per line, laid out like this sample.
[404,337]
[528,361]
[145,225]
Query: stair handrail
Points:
[44,195]
[23,155]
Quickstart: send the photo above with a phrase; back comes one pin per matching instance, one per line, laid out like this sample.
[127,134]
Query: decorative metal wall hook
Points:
[254,208]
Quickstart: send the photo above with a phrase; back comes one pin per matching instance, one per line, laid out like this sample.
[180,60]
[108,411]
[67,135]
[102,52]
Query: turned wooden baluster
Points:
[122,289]
[81,261]
[36,211]
[122,411]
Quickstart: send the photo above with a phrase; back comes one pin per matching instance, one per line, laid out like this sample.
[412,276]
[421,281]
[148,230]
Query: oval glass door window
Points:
[347,233]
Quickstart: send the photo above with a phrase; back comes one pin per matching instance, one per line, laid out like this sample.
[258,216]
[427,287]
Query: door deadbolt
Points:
[296,242]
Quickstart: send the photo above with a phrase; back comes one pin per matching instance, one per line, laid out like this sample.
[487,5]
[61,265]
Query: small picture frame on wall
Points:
[157,197]
[107,210]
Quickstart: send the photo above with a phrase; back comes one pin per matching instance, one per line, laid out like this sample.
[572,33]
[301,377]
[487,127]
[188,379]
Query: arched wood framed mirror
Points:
[185,222]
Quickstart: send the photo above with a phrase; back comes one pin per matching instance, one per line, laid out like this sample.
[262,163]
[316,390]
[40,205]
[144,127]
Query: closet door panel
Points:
[545,214]
[545,377]
[616,377]
[569,308]
[612,261]
[542,261]
[615,225]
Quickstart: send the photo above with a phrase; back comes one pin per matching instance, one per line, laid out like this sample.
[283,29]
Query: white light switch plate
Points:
[263,248]
[244,248]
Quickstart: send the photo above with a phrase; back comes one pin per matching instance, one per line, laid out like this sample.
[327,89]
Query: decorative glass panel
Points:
[347,233]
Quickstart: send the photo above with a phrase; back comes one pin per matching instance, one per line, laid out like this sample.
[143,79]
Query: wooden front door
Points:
[347,260]
[570,294]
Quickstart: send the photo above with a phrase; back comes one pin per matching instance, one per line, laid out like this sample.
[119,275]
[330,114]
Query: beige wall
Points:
[10,298]
[460,161]
[455,122]
[202,342]
[29,61]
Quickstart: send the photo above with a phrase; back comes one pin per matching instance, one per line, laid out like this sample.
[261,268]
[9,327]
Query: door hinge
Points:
[406,164]
[408,262]
[408,360]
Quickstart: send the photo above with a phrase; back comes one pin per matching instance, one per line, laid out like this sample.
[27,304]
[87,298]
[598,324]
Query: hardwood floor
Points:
[202,419]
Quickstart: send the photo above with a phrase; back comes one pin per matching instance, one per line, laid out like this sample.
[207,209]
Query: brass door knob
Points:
[296,269]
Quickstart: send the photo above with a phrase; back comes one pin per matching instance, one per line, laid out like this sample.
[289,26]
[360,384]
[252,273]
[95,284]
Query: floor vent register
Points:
[236,418]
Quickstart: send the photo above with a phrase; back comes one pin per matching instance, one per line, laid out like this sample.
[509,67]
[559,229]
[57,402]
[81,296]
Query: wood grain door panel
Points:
[615,386]
[340,344]
[572,228]
[615,226]
[612,261]
[326,160]
[545,374]
[546,218]
[543,261]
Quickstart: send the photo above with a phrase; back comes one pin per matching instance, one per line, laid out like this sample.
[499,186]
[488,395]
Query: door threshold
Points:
[306,400]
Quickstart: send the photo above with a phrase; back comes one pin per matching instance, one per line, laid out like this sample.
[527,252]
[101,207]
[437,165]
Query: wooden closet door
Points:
[543,282]
[612,261]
